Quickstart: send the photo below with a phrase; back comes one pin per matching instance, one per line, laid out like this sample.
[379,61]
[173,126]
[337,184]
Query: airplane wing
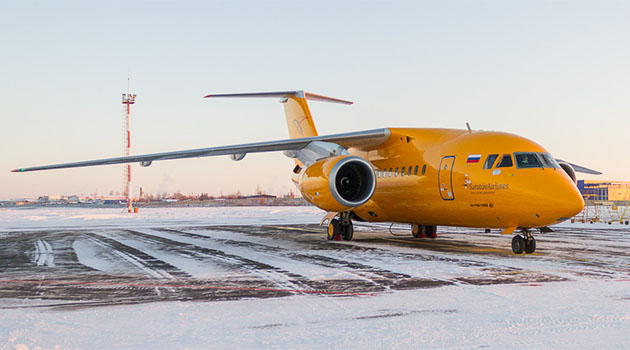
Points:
[360,139]
[580,169]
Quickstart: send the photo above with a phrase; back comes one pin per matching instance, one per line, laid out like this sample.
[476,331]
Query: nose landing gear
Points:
[525,243]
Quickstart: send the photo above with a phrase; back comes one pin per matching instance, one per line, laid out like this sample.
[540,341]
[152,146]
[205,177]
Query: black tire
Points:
[530,246]
[347,232]
[518,244]
[431,231]
[333,230]
[418,231]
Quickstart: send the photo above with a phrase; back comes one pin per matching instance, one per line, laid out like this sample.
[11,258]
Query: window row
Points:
[523,160]
[403,171]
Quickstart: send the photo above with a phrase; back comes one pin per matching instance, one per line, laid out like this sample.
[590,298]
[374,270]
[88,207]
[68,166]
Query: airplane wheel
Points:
[334,230]
[530,245]
[347,232]
[518,244]
[431,231]
[418,231]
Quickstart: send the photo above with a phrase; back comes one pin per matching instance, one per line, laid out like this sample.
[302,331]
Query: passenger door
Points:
[445,178]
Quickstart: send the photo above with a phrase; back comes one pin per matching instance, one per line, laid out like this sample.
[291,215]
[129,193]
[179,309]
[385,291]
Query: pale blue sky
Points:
[557,72]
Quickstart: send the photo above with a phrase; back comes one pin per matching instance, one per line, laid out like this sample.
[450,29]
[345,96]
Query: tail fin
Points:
[299,119]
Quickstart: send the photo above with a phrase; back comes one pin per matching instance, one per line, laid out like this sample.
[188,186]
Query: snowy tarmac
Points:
[266,277]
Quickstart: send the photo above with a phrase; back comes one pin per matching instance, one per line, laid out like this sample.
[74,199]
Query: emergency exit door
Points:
[445,178]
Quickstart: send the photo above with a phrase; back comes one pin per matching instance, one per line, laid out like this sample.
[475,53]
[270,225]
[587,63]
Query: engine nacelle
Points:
[569,170]
[338,183]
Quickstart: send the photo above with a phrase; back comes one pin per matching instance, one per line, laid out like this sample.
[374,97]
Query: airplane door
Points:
[445,178]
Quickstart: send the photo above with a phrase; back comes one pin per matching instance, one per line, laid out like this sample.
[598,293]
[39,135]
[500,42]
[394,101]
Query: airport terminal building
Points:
[611,191]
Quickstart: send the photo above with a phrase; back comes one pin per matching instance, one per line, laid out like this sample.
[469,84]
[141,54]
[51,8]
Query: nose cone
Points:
[573,202]
[566,200]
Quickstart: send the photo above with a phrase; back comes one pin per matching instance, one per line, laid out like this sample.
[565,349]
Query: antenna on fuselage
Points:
[468,126]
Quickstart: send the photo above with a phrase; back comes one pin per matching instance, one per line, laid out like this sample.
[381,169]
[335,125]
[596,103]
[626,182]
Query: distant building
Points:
[604,190]
[257,196]
[49,199]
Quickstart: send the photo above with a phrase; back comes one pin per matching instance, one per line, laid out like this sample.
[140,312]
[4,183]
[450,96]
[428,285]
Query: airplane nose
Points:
[570,201]
[575,202]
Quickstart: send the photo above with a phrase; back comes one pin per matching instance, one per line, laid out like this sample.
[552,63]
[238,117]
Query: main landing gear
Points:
[525,243]
[340,229]
[423,231]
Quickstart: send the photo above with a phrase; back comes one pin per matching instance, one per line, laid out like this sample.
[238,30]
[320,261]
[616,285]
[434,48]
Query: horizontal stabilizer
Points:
[282,94]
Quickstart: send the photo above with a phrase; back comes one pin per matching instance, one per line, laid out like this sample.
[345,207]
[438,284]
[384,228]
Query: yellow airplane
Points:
[423,177]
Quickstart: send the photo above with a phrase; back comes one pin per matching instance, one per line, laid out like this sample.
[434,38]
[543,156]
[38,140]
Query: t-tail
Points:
[299,119]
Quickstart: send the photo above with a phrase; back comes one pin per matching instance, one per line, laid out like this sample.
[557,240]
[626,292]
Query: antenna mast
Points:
[128,99]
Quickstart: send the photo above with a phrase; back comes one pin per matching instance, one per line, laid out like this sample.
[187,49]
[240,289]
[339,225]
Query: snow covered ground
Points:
[102,279]
[30,218]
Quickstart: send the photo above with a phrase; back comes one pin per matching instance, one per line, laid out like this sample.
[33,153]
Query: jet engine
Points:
[338,183]
[569,170]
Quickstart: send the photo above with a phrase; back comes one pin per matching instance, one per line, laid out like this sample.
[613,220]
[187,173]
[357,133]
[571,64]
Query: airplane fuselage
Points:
[443,177]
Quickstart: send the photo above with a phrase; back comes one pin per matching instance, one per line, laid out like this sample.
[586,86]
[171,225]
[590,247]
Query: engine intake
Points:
[352,181]
[338,183]
[569,170]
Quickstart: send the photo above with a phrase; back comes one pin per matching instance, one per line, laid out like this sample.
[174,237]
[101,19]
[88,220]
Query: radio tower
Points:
[128,99]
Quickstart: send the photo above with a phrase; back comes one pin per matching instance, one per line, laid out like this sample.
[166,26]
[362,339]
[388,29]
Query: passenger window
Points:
[409,171]
[396,172]
[505,162]
[378,173]
[415,170]
[527,160]
[424,169]
[390,172]
[490,161]
[402,172]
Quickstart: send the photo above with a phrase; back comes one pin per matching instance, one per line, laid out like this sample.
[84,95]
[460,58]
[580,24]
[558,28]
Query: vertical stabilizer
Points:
[298,115]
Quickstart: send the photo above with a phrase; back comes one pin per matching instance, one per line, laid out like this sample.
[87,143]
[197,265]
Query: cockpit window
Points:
[505,162]
[527,160]
[490,161]
[549,161]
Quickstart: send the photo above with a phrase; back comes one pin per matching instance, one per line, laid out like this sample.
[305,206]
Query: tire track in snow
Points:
[375,277]
[150,265]
[43,254]
[277,276]
[491,271]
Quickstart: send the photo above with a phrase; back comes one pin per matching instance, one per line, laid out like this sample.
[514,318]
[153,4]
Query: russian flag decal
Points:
[473,158]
